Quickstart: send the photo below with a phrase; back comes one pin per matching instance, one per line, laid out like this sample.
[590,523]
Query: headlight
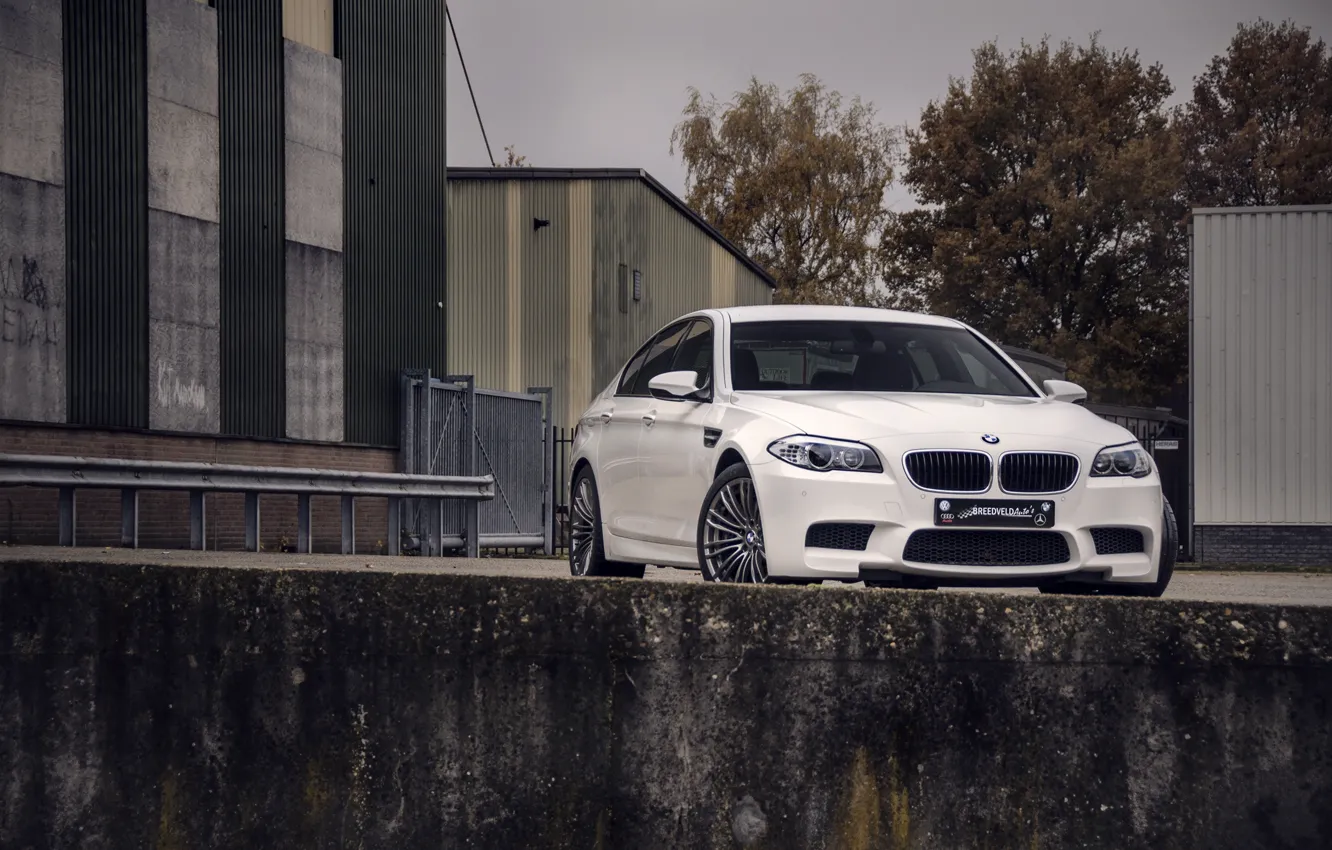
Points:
[1129,460]
[822,454]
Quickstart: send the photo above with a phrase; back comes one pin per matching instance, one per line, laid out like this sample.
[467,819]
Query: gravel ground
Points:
[1269,588]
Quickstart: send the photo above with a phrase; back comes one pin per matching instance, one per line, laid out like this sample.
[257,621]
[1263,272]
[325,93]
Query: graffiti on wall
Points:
[174,391]
[26,317]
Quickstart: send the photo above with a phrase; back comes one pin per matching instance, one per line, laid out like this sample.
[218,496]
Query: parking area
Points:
[1262,588]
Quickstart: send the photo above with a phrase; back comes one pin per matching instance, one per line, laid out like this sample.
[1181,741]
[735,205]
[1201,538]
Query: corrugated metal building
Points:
[1261,360]
[225,232]
[556,276]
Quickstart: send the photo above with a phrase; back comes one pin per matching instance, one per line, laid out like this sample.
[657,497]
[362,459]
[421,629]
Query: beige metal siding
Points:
[531,307]
[683,269]
[750,289]
[309,22]
[579,387]
[1262,366]
[477,282]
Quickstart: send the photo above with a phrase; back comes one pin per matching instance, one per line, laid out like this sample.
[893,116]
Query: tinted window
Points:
[695,352]
[867,357]
[630,373]
[660,354]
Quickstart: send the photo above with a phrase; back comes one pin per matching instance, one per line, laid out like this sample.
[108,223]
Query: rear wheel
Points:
[587,553]
[730,530]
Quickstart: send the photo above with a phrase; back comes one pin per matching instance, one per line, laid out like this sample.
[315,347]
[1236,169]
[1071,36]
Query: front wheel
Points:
[587,552]
[730,530]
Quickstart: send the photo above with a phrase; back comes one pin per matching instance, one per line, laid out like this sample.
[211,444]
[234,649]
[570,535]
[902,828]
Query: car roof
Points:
[828,313]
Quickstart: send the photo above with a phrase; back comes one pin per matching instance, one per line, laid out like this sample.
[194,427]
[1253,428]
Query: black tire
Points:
[587,554]
[1165,567]
[734,477]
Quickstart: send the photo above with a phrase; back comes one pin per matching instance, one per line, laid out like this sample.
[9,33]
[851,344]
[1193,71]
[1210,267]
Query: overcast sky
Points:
[600,83]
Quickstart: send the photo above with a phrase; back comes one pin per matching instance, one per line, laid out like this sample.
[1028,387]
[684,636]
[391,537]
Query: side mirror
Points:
[1065,391]
[674,385]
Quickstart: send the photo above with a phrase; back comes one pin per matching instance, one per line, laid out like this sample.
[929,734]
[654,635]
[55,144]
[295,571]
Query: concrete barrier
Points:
[208,708]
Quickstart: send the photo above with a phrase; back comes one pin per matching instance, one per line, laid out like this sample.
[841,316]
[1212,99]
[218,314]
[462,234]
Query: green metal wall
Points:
[252,284]
[393,66]
[106,202]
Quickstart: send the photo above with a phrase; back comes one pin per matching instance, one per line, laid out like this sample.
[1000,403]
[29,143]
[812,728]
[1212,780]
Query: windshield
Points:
[867,357]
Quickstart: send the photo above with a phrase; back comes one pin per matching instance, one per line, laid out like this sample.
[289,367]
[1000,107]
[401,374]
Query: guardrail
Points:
[68,474]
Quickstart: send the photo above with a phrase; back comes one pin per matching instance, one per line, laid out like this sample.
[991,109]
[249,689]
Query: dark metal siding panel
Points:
[396,203]
[253,226]
[106,197]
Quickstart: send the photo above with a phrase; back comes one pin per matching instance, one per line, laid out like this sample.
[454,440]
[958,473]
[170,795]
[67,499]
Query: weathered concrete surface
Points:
[184,205]
[184,337]
[32,116]
[315,343]
[173,706]
[314,213]
[1236,588]
[32,213]
[183,147]
[313,130]
[32,300]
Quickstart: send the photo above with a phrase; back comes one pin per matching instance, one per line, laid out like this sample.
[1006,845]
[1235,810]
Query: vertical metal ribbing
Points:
[106,209]
[393,60]
[252,283]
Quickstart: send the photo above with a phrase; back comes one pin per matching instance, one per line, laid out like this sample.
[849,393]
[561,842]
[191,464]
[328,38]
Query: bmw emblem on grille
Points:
[990,438]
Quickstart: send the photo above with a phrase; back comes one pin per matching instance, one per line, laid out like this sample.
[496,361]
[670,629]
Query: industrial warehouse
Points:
[239,260]
[237,263]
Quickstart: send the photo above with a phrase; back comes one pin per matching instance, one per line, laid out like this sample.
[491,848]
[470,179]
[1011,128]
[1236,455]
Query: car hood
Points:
[867,416]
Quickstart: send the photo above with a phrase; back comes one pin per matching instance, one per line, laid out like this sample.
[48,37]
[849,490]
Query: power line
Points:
[463,61]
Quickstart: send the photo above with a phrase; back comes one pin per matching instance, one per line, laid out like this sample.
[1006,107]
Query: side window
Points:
[630,373]
[660,355]
[695,352]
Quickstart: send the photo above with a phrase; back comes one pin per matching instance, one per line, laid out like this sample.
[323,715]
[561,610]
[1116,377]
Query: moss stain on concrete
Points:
[170,834]
[899,806]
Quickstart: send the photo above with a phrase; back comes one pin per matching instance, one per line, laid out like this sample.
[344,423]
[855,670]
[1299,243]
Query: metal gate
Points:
[1171,455]
[449,427]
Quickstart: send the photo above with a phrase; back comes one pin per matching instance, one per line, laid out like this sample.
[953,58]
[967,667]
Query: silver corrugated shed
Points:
[532,303]
[1261,356]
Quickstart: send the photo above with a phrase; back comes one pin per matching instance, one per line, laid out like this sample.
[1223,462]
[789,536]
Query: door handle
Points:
[606,418]
[649,418]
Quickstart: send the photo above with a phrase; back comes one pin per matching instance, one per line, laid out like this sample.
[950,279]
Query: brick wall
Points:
[1284,545]
[29,515]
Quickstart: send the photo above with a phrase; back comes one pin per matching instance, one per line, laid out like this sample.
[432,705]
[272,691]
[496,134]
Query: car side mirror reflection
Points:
[680,385]
[1065,391]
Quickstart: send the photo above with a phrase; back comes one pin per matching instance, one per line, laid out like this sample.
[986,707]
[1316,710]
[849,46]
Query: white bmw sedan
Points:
[802,444]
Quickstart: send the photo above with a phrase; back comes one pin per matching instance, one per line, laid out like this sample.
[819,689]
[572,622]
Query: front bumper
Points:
[792,499]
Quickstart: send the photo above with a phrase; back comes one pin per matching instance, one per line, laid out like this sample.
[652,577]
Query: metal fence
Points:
[450,427]
[68,475]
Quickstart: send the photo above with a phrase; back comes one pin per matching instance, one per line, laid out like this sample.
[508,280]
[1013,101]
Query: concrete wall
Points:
[183,216]
[209,708]
[32,213]
[315,338]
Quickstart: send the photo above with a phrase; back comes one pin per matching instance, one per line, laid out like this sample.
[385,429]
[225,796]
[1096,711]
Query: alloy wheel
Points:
[733,538]
[582,528]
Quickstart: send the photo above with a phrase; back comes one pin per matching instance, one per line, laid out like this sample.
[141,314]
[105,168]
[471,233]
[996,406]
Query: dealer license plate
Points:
[1005,513]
